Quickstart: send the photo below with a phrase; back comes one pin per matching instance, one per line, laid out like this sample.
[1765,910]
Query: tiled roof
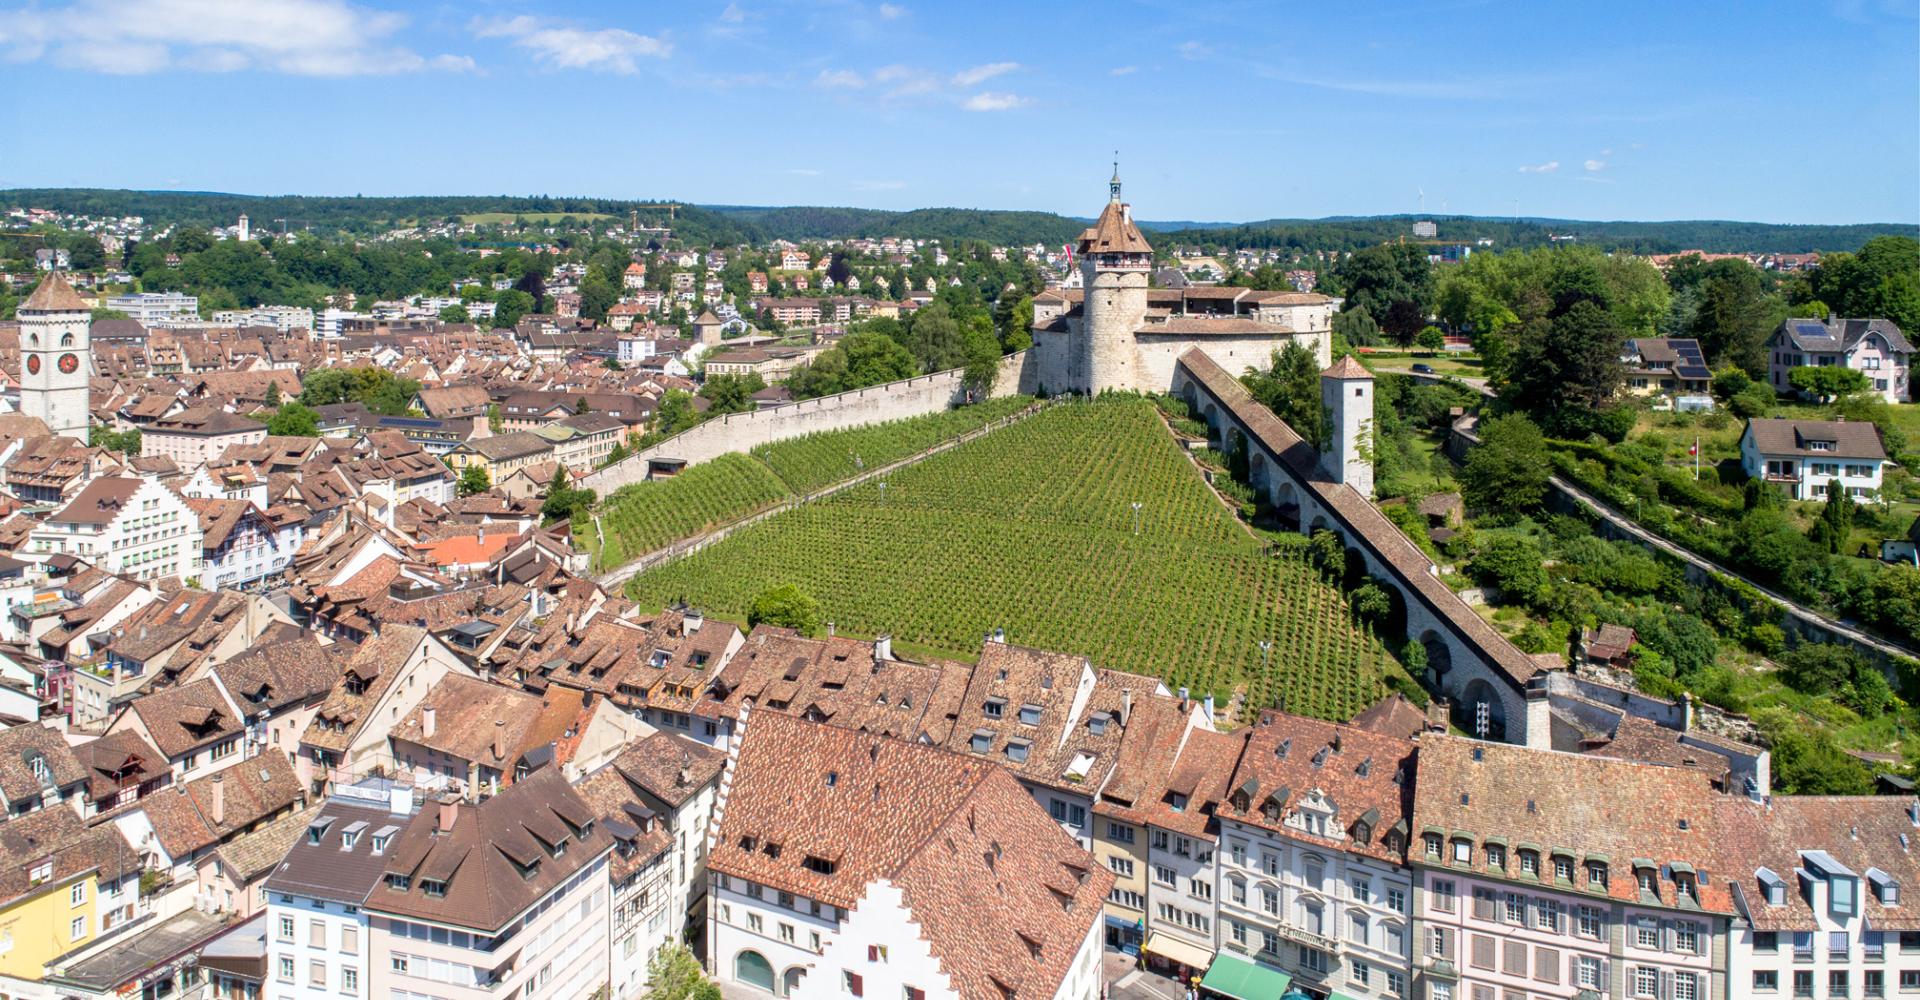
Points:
[1859,833]
[119,758]
[58,835]
[187,717]
[1584,806]
[53,294]
[983,871]
[1849,438]
[1365,777]
[21,744]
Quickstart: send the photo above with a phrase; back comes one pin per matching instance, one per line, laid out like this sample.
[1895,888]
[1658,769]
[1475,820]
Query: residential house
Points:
[388,676]
[1666,365]
[1875,348]
[133,527]
[38,770]
[1805,457]
[62,884]
[192,437]
[319,939]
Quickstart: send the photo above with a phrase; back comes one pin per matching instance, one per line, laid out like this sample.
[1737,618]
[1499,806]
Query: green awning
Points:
[1236,977]
[1337,995]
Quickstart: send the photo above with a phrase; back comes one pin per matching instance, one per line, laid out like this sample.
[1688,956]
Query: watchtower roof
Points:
[54,295]
[1114,232]
[1347,368]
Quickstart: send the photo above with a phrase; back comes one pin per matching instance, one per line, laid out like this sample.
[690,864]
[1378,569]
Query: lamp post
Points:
[883,493]
[1136,516]
[1266,655]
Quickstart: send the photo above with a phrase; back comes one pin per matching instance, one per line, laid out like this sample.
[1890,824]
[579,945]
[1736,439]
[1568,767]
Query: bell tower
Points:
[56,357]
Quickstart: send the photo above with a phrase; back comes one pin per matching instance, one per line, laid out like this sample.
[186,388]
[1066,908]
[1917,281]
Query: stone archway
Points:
[790,980]
[1439,657]
[1478,694]
[1212,417]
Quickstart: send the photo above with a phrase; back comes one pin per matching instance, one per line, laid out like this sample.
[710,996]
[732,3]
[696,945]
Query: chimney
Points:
[829,630]
[685,776]
[499,739]
[426,722]
[999,634]
[449,812]
[693,619]
[219,806]
[1126,706]
[1209,710]
[883,647]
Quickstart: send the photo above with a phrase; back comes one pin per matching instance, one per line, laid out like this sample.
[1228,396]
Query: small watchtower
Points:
[1346,404]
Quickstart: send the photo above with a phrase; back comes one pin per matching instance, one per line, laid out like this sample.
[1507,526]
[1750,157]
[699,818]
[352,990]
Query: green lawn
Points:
[1031,529]
[1442,362]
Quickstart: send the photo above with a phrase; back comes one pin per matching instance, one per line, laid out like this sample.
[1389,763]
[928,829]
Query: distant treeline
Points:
[727,224]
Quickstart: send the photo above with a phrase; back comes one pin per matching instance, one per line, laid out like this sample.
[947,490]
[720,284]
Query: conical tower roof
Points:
[54,295]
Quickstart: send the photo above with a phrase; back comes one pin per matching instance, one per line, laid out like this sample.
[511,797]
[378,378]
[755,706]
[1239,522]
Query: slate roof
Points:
[481,856]
[1850,438]
[1838,335]
[324,869]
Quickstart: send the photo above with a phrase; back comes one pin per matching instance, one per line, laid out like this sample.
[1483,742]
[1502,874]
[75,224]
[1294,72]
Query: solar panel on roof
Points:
[1811,329]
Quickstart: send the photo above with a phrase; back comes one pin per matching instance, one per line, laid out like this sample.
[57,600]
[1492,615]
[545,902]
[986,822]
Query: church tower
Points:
[56,357]
[1114,262]
[1346,404]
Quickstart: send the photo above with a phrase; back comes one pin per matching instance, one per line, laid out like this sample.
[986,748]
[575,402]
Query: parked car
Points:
[1423,369]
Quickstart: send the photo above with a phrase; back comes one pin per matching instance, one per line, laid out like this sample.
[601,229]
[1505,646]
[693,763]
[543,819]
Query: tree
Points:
[1827,382]
[1512,563]
[582,406]
[675,413]
[862,358]
[126,442]
[473,479]
[1882,280]
[1807,761]
[674,974]
[562,500]
[786,606]
[494,421]
[1393,282]
[1507,471]
[272,400]
[1572,360]
[982,367]
[936,339]
[294,420]
[1370,604]
[1836,518]
[454,314]
[1291,389]
[1430,339]
[731,393]
[1734,315]
[1355,325]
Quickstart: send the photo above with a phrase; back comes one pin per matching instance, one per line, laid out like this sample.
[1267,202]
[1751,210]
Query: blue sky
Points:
[1779,112]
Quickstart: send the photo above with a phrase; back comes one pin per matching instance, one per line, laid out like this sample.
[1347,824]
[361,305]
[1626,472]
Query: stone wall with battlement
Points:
[912,397]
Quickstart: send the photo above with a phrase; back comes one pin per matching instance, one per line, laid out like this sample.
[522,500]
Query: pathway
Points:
[686,546]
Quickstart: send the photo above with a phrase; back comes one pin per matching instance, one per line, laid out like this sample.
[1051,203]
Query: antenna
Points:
[1423,200]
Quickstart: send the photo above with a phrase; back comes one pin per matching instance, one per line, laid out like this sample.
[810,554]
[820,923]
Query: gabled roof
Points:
[1850,438]
[20,746]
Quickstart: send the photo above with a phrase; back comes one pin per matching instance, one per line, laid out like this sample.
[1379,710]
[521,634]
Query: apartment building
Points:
[1817,883]
[1182,836]
[133,527]
[195,437]
[850,864]
[1314,886]
[318,935]
[1564,876]
[506,898]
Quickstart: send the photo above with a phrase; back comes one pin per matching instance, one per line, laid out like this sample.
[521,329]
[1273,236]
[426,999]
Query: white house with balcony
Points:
[1804,457]
[133,527]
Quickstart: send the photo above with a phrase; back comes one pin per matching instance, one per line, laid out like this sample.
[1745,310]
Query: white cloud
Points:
[733,14]
[803,171]
[611,50]
[1122,70]
[1606,152]
[1193,50]
[839,78]
[1595,165]
[981,74]
[892,12]
[1541,168]
[991,101]
[301,37]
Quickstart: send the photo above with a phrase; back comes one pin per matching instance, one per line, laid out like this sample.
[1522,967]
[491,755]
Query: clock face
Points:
[33,364]
[69,363]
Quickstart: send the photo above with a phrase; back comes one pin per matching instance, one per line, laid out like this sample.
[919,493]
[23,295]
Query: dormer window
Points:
[1596,876]
[1496,856]
[1649,882]
[1097,723]
[1563,868]
[1886,891]
[1177,802]
[433,888]
[1432,841]
[1017,751]
[1530,863]
[1029,714]
[994,708]
[1462,852]
[398,882]
[1773,888]
[981,742]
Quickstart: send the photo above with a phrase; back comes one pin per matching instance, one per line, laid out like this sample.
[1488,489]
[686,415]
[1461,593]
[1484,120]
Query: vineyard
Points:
[641,517]
[817,460]
[1033,529]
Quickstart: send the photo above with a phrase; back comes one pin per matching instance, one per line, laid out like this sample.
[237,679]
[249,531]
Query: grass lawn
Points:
[1032,529]
[1442,363]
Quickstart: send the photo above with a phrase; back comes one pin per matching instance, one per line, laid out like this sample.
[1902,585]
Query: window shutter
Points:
[1482,904]
[1573,969]
[1606,976]
[873,953]
[1483,949]
[1515,963]
[1446,943]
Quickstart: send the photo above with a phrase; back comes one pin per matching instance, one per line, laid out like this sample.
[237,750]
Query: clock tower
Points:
[56,357]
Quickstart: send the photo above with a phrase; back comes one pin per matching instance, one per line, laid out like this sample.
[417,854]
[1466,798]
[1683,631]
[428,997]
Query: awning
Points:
[1180,951]
[1233,976]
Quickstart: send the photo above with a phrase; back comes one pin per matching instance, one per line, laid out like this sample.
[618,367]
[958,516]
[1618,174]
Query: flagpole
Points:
[1696,456]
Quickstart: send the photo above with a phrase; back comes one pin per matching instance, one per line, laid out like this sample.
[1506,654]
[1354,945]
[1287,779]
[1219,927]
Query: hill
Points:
[1030,529]
[729,224]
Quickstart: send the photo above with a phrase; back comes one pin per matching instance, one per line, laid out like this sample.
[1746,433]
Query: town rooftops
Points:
[21,747]
[321,864]
[1817,438]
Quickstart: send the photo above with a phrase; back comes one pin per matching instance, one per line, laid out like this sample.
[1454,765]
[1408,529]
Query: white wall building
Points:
[134,527]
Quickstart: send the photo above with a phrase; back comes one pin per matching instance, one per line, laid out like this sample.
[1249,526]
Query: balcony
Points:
[1302,936]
